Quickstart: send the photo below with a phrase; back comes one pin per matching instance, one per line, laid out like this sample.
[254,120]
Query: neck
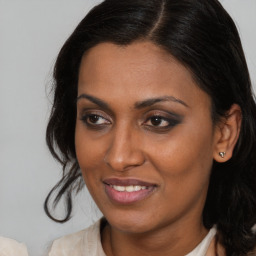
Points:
[172,240]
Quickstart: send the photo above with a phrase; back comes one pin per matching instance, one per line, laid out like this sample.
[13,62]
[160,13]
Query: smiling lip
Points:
[142,190]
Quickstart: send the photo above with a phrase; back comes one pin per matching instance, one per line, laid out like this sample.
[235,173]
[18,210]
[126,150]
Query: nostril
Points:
[124,163]
[124,152]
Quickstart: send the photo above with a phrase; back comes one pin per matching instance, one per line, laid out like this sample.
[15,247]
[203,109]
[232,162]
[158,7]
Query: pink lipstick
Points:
[127,191]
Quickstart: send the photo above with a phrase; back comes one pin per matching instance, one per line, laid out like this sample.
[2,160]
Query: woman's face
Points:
[144,137]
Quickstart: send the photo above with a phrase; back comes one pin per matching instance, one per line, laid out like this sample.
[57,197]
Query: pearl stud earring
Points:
[222,154]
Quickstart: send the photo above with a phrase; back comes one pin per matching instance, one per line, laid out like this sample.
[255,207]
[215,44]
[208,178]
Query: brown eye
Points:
[158,121]
[94,119]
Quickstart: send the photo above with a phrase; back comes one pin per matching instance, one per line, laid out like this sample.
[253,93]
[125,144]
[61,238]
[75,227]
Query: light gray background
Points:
[31,34]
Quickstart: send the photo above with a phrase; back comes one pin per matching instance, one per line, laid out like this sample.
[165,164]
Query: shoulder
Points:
[10,247]
[84,242]
[67,245]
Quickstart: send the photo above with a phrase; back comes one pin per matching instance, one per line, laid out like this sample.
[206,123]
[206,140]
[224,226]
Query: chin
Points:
[131,222]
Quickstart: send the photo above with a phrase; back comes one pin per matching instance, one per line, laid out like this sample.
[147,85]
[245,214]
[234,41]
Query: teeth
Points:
[130,188]
[119,188]
[137,188]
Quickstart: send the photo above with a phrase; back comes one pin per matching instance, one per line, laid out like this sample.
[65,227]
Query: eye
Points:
[95,120]
[158,121]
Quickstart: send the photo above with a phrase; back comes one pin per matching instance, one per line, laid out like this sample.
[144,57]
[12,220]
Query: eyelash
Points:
[171,122]
[86,119]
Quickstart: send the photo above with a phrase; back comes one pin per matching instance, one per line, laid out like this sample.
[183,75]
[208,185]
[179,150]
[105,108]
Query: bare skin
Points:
[141,118]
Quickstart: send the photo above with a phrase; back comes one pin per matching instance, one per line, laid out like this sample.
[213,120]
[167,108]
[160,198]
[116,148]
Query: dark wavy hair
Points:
[202,36]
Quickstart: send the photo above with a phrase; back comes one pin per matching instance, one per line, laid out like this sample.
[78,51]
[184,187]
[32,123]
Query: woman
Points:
[153,108]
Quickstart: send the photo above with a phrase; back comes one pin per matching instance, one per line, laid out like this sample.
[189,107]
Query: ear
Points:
[227,133]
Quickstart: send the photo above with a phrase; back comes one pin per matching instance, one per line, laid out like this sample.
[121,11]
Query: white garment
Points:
[88,243]
[202,248]
[9,247]
[84,243]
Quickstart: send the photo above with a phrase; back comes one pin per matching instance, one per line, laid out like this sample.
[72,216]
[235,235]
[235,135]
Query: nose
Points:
[125,150]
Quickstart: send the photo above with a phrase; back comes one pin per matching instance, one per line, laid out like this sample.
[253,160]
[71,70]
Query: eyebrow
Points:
[94,100]
[150,102]
[137,105]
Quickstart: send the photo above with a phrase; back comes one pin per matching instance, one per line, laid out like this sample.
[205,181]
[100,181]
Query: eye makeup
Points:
[161,121]
[158,121]
[94,119]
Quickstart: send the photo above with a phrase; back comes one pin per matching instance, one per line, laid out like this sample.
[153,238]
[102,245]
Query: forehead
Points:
[138,70]
[136,59]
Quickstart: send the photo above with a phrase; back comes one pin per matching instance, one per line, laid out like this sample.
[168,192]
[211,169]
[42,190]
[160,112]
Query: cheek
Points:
[90,159]
[88,151]
[186,156]
[185,166]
